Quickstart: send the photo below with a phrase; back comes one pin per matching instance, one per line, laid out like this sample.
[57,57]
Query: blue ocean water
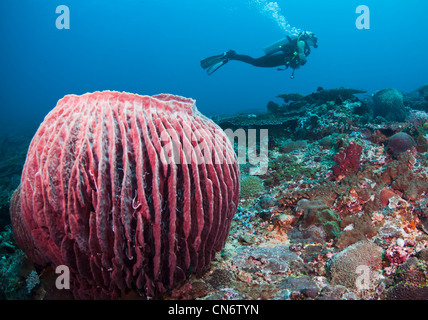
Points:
[150,47]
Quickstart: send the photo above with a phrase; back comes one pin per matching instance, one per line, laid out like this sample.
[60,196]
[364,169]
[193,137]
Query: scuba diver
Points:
[290,52]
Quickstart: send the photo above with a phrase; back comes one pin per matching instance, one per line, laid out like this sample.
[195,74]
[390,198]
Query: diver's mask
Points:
[310,36]
[314,39]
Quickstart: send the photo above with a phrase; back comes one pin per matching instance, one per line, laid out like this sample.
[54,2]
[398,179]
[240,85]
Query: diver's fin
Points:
[214,67]
[208,62]
[214,62]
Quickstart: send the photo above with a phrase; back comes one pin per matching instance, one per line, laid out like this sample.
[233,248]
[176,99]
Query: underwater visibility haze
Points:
[151,47]
[341,187]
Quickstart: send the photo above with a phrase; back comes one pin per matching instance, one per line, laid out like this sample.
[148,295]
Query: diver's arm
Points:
[301,51]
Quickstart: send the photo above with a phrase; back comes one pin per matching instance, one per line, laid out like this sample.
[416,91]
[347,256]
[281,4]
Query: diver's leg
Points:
[267,61]
[244,58]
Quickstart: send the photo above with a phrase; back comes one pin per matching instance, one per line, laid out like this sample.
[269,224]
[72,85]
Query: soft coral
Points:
[348,161]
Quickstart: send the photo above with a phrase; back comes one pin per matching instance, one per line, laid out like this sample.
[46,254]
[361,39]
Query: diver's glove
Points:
[302,59]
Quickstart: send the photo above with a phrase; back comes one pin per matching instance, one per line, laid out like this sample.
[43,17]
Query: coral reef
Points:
[347,265]
[251,186]
[417,99]
[323,95]
[400,177]
[13,149]
[388,103]
[316,213]
[307,117]
[411,281]
[341,212]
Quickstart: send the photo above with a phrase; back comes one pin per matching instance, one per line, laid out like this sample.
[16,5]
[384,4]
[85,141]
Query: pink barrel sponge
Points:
[130,192]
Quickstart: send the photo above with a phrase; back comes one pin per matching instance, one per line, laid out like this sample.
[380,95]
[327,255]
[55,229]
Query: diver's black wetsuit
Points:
[291,55]
[267,61]
[284,57]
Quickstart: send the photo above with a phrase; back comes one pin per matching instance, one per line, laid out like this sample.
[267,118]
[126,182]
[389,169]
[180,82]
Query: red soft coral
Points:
[348,161]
